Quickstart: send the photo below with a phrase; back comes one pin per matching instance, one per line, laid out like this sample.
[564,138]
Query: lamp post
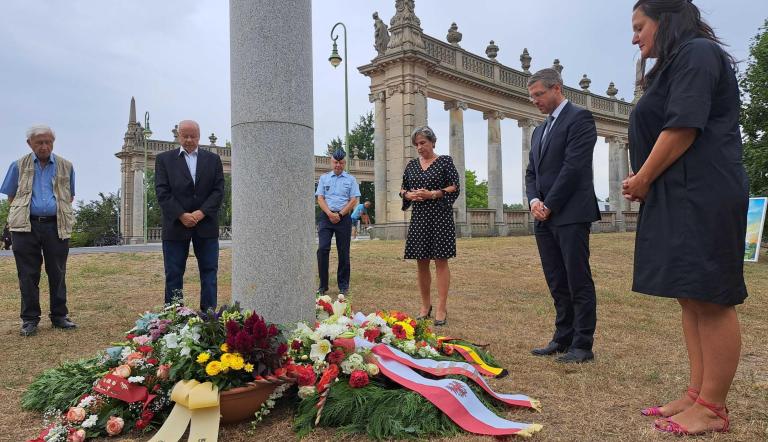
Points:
[147,134]
[335,60]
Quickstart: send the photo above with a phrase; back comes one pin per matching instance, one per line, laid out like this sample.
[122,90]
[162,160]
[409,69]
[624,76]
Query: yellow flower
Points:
[408,329]
[224,347]
[236,362]
[213,368]
[225,362]
[202,358]
[248,368]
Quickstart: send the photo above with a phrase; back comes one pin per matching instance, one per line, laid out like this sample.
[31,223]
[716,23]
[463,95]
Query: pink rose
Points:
[163,371]
[114,425]
[141,340]
[122,371]
[77,436]
[75,415]
[133,358]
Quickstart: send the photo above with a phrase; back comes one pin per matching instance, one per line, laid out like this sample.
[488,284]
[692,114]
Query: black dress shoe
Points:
[551,348]
[427,316]
[63,322]
[28,329]
[576,356]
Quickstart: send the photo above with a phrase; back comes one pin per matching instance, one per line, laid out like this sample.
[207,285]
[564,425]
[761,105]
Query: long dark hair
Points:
[677,20]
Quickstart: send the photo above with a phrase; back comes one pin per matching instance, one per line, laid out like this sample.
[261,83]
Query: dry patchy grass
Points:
[498,295]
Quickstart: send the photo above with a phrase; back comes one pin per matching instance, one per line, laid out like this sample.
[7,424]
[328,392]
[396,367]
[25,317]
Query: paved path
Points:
[136,248]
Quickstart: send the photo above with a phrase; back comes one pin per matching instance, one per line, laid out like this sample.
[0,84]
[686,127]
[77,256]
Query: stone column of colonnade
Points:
[273,255]
[618,168]
[137,211]
[527,129]
[380,154]
[456,150]
[495,181]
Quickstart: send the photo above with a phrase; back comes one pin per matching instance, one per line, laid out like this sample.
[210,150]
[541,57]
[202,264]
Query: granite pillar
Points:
[615,177]
[273,250]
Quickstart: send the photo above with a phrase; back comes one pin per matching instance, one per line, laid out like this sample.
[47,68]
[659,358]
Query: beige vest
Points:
[18,214]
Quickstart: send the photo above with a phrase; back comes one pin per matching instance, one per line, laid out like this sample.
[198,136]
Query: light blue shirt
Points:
[191,159]
[359,211]
[337,189]
[43,201]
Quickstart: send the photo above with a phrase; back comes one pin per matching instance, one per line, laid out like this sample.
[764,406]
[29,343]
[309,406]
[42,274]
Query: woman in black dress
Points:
[686,154]
[430,186]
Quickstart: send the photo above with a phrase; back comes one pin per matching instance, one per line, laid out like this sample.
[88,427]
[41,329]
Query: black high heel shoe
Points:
[427,316]
[442,322]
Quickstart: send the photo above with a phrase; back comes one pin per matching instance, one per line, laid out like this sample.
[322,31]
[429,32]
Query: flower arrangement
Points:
[128,386]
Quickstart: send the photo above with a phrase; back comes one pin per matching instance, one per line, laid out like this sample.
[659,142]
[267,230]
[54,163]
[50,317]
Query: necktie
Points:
[550,120]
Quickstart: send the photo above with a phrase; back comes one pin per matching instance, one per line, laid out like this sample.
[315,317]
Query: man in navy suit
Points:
[189,183]
[560,188]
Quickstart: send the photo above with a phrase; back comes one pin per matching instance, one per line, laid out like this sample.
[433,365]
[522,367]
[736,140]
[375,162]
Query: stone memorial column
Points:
[495,185]
[273,249]
[456,150]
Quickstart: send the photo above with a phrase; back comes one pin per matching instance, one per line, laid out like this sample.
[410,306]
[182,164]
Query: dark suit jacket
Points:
[177,193]
[559,173]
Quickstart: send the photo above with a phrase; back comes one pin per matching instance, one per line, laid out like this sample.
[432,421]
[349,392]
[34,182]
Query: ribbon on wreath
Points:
[119,388]
[470,355]
[197,406]
[445,368]
[452,396]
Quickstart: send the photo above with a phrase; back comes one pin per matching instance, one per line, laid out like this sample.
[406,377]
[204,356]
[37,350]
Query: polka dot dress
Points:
[431,233]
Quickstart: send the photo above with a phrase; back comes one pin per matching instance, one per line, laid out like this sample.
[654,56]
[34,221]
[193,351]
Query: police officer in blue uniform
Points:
[337,195]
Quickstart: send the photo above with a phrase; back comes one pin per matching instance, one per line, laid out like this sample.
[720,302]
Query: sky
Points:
[75,65]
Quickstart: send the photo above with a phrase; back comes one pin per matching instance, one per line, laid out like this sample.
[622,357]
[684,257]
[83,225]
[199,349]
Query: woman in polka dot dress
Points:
[430,186]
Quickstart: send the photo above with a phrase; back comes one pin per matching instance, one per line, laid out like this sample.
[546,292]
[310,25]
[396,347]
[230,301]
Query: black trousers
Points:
[31,249]
[343,232]
[564,252]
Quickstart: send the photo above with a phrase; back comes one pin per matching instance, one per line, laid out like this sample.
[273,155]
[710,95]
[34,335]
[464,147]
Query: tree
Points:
[360,139]
[754,113]
[477,193]
[4,206]
[94,220]
[515,206]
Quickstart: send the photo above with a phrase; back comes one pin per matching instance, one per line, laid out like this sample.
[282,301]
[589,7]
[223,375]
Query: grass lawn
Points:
[498,296]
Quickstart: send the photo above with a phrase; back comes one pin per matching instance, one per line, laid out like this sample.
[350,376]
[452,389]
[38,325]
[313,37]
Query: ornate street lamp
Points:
[147,134]
[336,60]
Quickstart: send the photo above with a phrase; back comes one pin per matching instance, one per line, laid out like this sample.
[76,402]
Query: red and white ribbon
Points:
[444,368]
[456,400]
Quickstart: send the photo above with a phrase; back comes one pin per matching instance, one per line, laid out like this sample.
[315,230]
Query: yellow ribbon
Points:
[479,361]
[197,405]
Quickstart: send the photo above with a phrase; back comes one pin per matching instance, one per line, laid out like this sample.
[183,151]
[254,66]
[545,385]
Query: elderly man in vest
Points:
[40,188]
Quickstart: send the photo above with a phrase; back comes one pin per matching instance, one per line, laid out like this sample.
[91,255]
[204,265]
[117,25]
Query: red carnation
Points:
[326,306]
[413,323]
[141,424]
[335,357]
[400,316]
[358,379]
[296,344]
[152,361]
[328,376]
[398,331]
[372,334]
[146,349]
[129,336]
[305,375]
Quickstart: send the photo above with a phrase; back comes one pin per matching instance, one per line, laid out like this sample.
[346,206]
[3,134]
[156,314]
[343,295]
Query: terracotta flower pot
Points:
[239,404]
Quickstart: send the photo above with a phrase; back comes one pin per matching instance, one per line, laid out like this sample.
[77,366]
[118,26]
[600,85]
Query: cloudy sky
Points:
[75,65]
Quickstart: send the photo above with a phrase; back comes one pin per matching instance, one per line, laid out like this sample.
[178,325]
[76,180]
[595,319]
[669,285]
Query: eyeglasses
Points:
[539,94]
